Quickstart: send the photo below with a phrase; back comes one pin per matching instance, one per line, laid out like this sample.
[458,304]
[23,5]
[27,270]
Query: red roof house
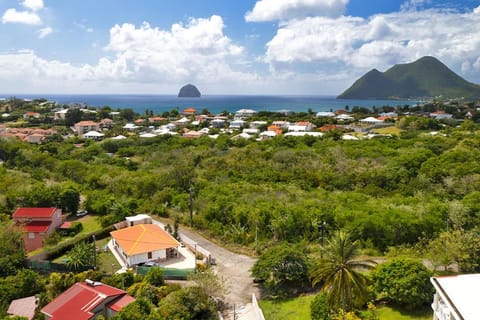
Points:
[37,223]
[87,300]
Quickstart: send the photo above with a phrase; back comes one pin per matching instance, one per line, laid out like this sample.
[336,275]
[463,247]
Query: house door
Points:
[149,255]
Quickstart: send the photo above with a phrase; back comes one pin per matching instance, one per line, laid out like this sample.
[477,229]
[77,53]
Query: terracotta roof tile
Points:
[143,238]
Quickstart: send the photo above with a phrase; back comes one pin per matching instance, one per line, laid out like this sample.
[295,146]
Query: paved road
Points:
[233,267]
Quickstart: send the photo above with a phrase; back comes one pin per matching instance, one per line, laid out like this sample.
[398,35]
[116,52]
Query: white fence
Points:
[256,308]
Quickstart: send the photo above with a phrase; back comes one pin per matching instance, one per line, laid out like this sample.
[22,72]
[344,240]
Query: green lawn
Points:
[299,309]
[90,223]
[291,309]
[388,313]
[388,130]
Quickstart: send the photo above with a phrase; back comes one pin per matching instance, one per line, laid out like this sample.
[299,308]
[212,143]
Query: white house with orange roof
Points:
[31,115]
[189,112]
[86,126]
[144,242]
[301,126]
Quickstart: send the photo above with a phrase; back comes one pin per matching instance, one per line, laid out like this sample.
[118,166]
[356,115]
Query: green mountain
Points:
[426,77]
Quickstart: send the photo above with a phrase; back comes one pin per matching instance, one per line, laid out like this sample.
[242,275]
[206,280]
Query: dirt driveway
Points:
[233,267]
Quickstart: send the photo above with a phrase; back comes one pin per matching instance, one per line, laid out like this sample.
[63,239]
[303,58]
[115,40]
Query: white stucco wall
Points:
[143,257]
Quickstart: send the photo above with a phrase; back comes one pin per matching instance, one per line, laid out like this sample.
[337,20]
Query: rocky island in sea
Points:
[189,91]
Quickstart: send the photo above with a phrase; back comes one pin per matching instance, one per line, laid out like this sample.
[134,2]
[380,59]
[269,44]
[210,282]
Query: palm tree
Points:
[338,270]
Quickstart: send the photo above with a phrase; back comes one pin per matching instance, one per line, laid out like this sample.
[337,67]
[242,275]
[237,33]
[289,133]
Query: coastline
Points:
[214,103]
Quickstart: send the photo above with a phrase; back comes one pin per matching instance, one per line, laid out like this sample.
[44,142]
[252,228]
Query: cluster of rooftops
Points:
[189,122]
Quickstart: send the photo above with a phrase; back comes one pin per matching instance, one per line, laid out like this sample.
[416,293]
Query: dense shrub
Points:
[404,281]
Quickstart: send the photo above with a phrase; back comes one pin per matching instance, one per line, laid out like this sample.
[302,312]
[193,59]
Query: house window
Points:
[149,255]
[31,235]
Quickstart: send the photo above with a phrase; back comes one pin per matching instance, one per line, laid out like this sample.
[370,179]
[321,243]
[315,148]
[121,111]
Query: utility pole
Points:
[322,229]
[94,253]
[191,206]
[256,237]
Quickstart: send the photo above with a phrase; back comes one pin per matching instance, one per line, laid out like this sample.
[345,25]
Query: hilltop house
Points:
[87,300]
[60,114]
[31,115]
[244,113]
[144,242]
[86,126]
[237,124]
[301,126]
[37,223]
[189,112]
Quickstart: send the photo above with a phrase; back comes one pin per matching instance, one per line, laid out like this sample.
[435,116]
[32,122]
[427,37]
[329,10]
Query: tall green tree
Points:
[12,249]
[284,270]
[70,200]
[338,273]
[73,116]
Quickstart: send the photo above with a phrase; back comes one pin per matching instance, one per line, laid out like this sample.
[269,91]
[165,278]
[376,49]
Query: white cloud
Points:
[270,10]
[25,17]
[197,49]
[33,5]
[42,33]
[141,59]
[412,5]
[360,44]
[83,27]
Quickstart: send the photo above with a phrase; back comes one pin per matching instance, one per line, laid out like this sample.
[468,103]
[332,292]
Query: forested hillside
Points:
[385,191]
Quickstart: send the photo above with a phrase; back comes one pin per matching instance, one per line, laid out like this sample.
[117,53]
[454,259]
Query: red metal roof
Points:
[78,302]
[66,225]
[34,212]
[118,304]
[37,226]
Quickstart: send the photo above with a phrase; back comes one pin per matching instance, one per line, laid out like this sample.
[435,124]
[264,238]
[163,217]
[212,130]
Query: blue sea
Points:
[214,103]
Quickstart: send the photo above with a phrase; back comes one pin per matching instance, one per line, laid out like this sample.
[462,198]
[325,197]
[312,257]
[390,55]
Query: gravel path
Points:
[233,267]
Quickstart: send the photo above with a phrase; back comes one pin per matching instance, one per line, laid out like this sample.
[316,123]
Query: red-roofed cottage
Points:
[37,223]
[87,300]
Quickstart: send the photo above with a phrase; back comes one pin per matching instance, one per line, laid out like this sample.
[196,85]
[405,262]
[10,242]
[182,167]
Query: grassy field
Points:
[291,309]
[388,130]
[299,309]
[388,313]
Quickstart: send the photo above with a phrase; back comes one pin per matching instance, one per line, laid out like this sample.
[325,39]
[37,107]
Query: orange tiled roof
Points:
[189,110]
[143,238]
[86,123]
[303,123]
[328,127]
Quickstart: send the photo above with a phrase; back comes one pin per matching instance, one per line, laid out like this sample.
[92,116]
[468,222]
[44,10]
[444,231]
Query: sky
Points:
[279,47]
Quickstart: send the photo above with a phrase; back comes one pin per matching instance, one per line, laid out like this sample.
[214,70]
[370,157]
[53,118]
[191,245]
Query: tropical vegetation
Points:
[311,208]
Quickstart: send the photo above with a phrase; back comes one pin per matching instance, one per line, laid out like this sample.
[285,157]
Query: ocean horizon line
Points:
[159,103]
